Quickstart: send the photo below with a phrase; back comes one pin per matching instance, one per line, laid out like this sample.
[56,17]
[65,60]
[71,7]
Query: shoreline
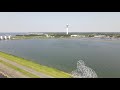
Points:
[92,38]
[83,39]
[62,37]
[35,66]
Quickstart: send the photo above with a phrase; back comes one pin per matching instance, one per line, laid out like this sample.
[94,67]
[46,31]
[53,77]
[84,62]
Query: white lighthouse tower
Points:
[67,29]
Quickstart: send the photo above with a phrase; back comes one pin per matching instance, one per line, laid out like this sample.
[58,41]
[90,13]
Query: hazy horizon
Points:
[56,21]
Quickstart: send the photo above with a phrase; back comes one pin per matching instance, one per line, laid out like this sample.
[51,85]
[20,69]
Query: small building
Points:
[99,36]
[74,35]
[1,37]
[9,37]
[47,35]
[5,37]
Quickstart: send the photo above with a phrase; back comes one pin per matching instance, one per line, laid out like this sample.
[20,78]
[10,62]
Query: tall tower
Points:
[67,29]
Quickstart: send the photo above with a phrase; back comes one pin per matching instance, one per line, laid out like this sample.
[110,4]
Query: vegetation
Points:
[60,35]
[20,70]
[28,37]
[117,36]
[40,68]
[91,35]
[63,35]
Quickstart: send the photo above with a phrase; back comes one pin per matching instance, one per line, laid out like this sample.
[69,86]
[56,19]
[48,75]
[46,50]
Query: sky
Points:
[56,21]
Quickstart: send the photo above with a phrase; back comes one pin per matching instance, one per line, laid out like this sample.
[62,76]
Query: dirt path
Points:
[11,72]
[41,75]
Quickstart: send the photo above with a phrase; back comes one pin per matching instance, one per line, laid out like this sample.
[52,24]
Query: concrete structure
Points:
[46,35]
[74,35]
[1,37]
[5,37]
[9,37]
[99,36]
[67,29]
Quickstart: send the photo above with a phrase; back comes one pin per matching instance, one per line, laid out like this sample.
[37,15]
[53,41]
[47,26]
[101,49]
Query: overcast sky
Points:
[56,21]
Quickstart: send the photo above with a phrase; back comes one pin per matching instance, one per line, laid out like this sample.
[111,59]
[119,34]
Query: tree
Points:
[91,35]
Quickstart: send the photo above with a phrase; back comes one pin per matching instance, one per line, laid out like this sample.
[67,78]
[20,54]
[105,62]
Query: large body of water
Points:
[100,55]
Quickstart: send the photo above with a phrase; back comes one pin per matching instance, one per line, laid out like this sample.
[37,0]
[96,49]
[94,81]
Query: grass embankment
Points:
[20,70]
[40,68]
[27,37]
[35,37]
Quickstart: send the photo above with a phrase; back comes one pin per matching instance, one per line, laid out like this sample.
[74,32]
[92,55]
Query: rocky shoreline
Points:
[2,76]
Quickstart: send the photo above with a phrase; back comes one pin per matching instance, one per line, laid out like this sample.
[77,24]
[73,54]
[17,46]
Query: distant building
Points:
[74,35]
[1,37]
[81,36]
[46,35]
[5,37]
[99,36]
[9,37]
[108,37]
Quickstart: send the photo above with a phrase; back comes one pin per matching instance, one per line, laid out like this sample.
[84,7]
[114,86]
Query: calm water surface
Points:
[100,55]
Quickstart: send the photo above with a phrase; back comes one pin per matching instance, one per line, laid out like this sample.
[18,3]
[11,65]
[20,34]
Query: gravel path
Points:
[41,75]
[11,72]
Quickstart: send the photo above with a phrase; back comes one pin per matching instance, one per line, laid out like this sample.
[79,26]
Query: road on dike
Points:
[39,74]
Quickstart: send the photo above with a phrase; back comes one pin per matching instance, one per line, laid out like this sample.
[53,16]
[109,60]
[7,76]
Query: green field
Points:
[40,68]
[28,37]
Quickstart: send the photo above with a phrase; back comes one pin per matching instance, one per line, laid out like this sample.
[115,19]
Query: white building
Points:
[46,35]
[1,37]
[5,37]
[74,35]
[99,36]
[9,37]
